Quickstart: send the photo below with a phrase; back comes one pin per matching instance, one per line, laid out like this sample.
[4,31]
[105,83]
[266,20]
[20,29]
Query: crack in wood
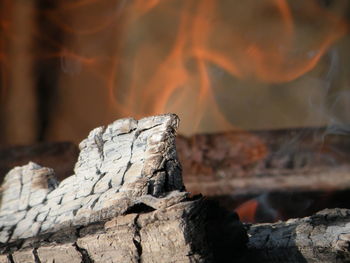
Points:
[84,254]
[137,239]
[36,257]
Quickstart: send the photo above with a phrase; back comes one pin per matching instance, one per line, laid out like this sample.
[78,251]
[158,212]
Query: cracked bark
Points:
[104,213]
[156,220]
[137,239]
[36,257]
[84,254]
[323,237]
[128,165]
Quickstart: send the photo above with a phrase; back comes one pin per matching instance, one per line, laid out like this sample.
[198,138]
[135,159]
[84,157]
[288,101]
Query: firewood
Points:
[325,179]
[125,203]
[252,163]
[323,237]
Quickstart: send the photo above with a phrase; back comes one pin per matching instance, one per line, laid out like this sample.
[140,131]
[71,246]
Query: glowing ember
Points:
[247,211]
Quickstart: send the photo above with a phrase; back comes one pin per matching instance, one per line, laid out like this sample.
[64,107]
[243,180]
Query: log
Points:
[256,162]
[325,179]
[283,173]
[323,237]
[125,203]
[281,192]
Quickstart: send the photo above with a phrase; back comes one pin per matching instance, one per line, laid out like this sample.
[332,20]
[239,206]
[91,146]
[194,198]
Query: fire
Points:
[265,208]
[256,41]
[177,55]
[247,211]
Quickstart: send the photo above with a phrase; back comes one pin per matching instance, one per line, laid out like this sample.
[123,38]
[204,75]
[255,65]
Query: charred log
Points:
[125,203]
[323,237]
[284,173]
[219,163]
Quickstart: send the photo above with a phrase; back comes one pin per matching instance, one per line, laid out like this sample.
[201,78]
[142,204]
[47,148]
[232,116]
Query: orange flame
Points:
[167,56]
[257,41]
[247,211]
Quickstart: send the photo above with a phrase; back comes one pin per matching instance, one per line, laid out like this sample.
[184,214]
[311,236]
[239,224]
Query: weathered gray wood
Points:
[176,233]
[125,203]
[323,237]
[123,161]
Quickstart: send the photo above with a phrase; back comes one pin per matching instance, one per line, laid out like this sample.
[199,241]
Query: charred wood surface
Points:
[323,237]
[125,202]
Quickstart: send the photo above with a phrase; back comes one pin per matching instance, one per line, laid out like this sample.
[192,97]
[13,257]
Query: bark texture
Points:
[170,234]
[125,203]
[323,237]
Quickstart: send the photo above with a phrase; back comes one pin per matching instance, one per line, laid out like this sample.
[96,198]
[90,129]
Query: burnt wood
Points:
[242,162]
[323,237]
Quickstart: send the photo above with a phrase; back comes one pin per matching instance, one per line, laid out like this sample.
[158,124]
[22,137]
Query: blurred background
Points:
[69,66]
